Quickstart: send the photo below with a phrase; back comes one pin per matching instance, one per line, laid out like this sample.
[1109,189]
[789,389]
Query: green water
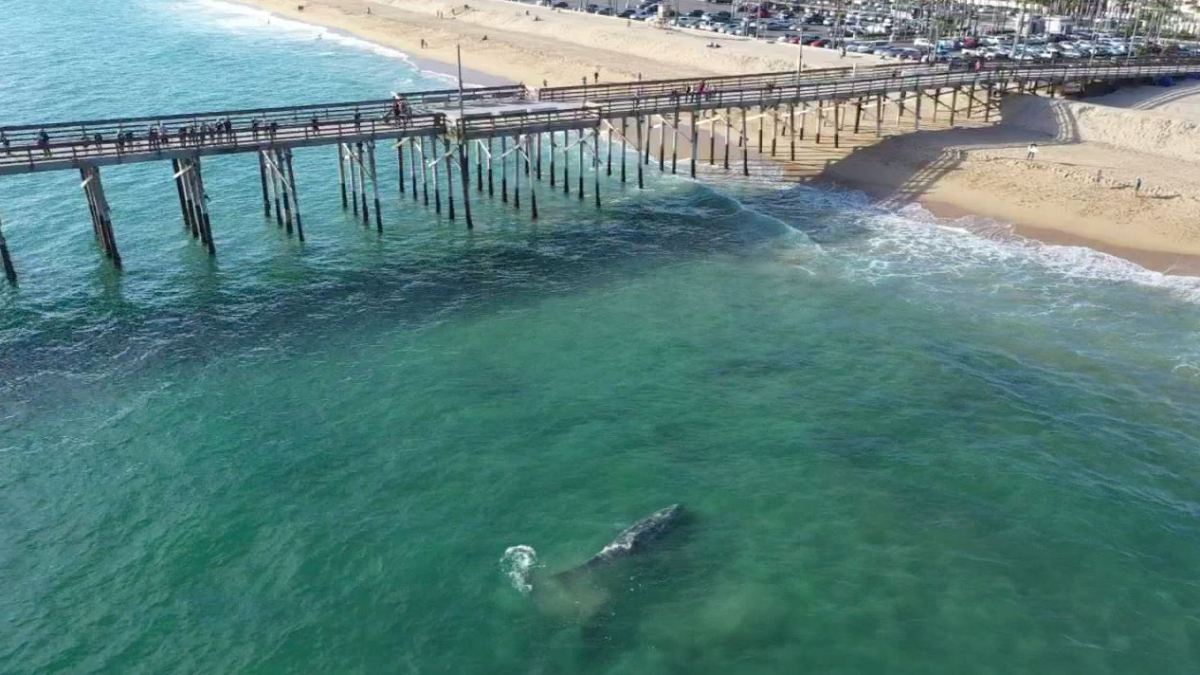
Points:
[902,448]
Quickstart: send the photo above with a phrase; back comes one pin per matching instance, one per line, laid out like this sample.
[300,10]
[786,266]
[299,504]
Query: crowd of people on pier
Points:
[158,136]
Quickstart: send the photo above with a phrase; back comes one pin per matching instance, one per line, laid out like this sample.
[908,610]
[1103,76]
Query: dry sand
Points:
[1080,190]
[534,44]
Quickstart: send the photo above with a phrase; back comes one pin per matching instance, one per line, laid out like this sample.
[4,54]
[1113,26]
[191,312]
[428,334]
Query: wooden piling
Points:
[857,115]
[262,178]
[491,184]
[342,172]
[662,144]
[529,146]
[675,139]
[517,173]
[10,272]
[566,180]
[504,169]
[624,145]
[437,181]
[596,162]
[374,184]
[206,237]
[478,172]
[608,150]
[792,131]
[553,151]
[362,182]
[400,165]
[351,161]
[425,174]
[466,183]
[728,133]
[579,144]
[287,197]
[291,178]
[745,147]
[953,104]
[641,178]
[445,158]
[695,142]
[412,167]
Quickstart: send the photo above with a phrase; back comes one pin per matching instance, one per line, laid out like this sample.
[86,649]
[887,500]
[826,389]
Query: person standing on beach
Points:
[1137,187]
[1031,152]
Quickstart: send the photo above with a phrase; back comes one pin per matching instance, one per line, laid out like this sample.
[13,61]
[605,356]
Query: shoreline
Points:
[992,185]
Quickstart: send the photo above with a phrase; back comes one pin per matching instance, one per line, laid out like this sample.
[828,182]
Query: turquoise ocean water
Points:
[904,447]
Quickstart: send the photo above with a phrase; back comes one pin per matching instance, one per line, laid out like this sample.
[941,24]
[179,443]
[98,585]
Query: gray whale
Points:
[633,539]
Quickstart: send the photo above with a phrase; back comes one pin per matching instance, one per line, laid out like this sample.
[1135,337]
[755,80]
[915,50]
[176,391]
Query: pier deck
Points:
[466,124]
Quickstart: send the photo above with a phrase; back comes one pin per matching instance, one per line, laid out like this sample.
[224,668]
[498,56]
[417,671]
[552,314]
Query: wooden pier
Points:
[510,131]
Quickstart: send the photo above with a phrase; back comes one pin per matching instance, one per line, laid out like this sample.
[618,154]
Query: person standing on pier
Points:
[254,128]
[274,129]
[152,137]
[43,142]
[5,143]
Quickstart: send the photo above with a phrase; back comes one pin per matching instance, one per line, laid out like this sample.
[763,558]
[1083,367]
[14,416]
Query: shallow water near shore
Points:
[903,447]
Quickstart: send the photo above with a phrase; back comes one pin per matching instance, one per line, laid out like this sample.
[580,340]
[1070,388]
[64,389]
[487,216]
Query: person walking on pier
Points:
[164,137]
[229,136]
[316,125]
[254,128]
[273,129]
[5,143]
[152,137]
[43,142]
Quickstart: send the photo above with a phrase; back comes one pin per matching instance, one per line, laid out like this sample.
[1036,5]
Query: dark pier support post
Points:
[837,123]
[94,191]
[424,174]
[917,114]
[478,168]
[413,163]
[449,175]
[10,272]
[437,181]
[596,163]
[206,237]
[792,131]
[624,145]
[937,101]
[878,115]
[971,99]
[803,117]
[287,197]
[649,138]
[342,172]
[360,158]
[820,120]
[675,139]
[953,104]
[400,164]
[275,189]
[566,163]
[190,225]
[641,178]
[728,133]
[466,183]
[900,106]
[857,115]
[774,129]
[291,179]
[662,144]
[608,168]
[762,114]
[352,167]
[530,147]
[504,169]
[695,141]
[491,185]
[262,178]
[517,172]
[374,185]
[553,149]
[712,138]
[745,146]
[176,171]
[580,143]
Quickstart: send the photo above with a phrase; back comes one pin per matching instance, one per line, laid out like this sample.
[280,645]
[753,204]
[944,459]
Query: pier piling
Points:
[10,272]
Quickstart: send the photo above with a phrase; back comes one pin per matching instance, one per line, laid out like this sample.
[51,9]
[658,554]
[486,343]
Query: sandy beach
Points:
[1079,191]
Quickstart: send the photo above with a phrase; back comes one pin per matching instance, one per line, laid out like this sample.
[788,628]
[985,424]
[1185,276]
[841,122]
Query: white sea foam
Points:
[518,564]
